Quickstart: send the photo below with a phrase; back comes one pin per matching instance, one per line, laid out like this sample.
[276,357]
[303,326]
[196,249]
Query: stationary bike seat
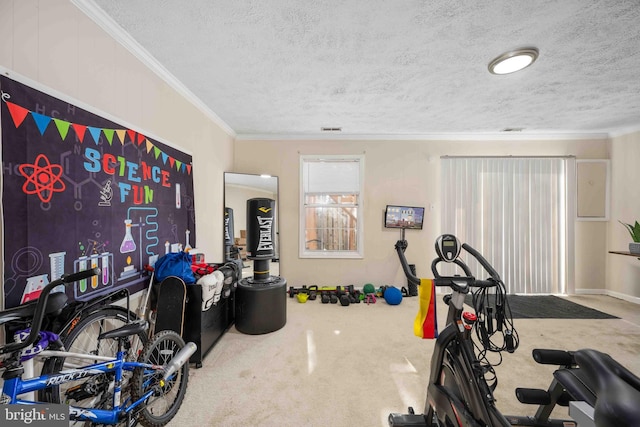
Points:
[26,311]
[617,390]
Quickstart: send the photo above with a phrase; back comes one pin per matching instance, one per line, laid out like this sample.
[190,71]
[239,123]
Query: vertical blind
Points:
[514,211]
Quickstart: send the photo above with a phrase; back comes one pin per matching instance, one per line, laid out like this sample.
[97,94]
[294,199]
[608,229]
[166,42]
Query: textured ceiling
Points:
[394,67]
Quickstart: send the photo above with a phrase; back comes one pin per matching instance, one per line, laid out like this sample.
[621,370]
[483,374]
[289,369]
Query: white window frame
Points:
[359,253]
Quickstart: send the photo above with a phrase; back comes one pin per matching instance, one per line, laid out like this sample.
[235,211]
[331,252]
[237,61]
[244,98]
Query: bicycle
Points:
[159,377]
[600,391]
[78,325]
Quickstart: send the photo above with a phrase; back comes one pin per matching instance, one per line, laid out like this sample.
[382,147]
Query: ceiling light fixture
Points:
[513,61]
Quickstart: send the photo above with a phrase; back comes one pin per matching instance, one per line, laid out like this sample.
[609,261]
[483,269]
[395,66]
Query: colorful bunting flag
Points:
[95,133]
[121,133]
[132,135]
[42,121]
[80,130]
[108,133]
[19,113]
[63,127]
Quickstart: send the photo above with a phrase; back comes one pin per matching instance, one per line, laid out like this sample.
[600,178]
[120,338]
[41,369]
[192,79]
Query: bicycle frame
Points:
[13,387]
[475,391]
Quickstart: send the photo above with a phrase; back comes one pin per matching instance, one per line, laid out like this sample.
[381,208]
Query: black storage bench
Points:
[205,328]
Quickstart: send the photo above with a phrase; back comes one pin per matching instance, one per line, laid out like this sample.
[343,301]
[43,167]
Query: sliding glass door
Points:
[514,211]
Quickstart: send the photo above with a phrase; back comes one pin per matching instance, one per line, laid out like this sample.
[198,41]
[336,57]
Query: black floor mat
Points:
[548,307]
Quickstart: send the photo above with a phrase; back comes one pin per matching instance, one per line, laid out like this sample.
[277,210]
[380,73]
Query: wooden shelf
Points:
[627,253]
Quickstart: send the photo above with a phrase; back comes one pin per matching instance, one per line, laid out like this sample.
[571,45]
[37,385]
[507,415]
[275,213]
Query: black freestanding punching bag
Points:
[261,305]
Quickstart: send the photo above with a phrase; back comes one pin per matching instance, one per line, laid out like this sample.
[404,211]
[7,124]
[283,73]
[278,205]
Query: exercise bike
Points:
[599,391]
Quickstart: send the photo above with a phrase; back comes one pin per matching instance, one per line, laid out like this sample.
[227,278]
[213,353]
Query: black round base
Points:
[261,306]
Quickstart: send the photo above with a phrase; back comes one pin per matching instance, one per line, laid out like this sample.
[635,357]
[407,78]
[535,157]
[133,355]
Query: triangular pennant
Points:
[164,158]
[121,133]
[95,133]
[156,152]
[132,135]
[182,168]
[189,169]
[42,121]
[108,133]
[178,164]
[172,161]
[80,130]
[18,113]
[63,127]
[141,138]
[149,146]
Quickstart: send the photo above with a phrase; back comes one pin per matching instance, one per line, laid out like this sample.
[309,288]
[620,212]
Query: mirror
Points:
[238,188]
[592,195]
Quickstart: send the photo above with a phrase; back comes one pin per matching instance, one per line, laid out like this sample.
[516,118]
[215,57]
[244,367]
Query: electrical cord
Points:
[494,328]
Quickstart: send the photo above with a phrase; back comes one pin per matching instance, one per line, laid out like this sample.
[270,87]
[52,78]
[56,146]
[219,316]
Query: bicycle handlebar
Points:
[483,262]
[41,308]
[450,281]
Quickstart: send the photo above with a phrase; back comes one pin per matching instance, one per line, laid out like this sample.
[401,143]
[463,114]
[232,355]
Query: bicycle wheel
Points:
[83,338]
[162,406]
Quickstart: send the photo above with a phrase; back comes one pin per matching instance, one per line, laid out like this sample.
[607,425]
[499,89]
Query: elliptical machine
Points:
[605,394]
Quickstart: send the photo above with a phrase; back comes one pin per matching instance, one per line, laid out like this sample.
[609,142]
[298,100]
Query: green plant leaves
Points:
[634,230]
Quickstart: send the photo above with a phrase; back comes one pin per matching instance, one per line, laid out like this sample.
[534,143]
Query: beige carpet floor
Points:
[351,366]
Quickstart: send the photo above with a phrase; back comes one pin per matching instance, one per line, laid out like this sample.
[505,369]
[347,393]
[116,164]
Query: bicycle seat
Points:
[129,329]
[616,389]
[26,311]
[578,384]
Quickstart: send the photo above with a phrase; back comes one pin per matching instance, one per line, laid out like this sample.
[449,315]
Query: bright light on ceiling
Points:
[513,61]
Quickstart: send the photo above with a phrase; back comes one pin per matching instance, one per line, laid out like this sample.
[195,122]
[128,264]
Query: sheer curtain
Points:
[514,211]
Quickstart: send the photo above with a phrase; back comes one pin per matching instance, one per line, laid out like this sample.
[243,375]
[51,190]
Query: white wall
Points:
[623,272]
[54,44]
[401,172]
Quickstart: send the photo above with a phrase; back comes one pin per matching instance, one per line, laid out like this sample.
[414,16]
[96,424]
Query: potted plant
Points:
[634,231]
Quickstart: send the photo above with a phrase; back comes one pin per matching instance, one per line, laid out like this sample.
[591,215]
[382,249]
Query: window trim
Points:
[302,252]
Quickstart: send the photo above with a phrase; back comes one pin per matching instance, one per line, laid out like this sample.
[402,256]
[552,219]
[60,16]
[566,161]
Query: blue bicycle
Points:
[111,390]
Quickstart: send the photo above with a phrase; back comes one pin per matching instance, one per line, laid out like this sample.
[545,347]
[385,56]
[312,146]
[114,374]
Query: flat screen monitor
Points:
[409,217]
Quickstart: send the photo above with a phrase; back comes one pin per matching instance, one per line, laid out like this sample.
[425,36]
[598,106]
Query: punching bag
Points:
[260,232]
[261,304]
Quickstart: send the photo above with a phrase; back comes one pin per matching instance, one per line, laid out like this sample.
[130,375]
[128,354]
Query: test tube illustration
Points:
[82,265]
[178,197]
[56,262]
[105,268]
[94,264]
[187,247]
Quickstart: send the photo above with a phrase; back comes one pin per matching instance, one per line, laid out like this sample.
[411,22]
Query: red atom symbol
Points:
[43,178]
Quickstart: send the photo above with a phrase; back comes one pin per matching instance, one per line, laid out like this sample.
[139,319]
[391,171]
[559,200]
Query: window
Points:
[514,211]
[331,206]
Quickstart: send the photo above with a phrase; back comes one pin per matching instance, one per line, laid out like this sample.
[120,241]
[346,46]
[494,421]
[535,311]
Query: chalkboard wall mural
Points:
[81,191]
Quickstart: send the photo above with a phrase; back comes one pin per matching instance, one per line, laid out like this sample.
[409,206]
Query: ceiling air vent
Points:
[512,130]
[327,129]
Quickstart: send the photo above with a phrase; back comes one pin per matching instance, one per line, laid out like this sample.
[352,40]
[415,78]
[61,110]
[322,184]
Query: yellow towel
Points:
[426,326]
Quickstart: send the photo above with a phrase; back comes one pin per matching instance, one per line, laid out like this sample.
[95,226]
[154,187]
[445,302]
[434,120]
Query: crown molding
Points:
[447,136]
[624,131]
[95,13]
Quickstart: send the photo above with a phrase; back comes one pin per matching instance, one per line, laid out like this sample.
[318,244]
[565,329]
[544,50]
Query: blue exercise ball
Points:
[392,295]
